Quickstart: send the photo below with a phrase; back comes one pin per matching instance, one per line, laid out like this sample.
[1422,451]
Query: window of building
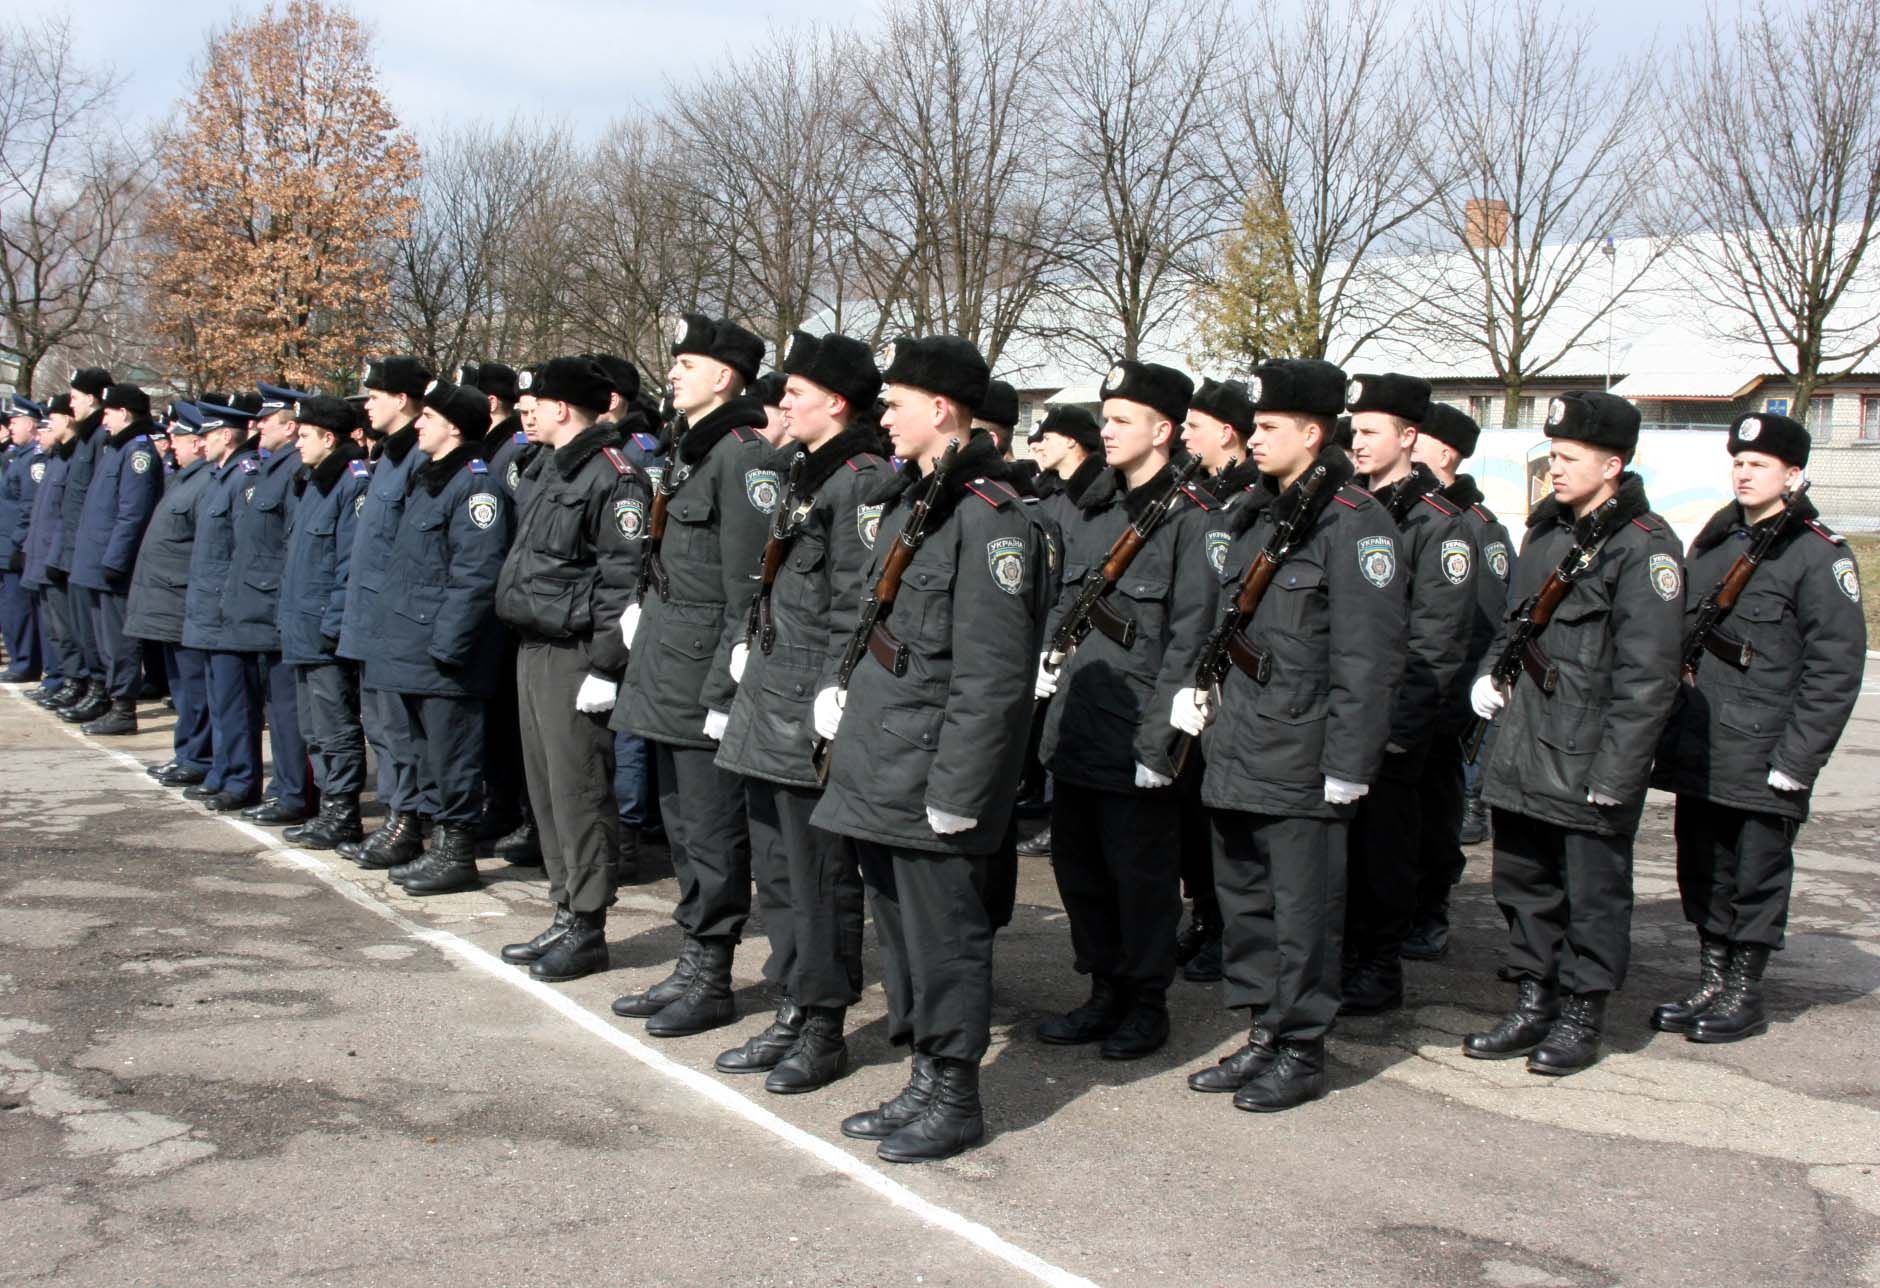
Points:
[1526,410]
[1821,418]
[1870,420]
[1482,410]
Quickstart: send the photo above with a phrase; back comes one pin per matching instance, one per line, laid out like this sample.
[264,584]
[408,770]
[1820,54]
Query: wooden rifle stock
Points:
[1718,604]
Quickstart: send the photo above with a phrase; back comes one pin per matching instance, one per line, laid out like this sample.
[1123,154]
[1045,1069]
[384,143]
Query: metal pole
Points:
[1612,290]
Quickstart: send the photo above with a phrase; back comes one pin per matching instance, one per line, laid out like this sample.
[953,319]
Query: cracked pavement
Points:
[216,1068]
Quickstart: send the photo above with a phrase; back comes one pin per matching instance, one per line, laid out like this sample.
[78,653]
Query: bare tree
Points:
[952,222]
[1539,153]
[1777,126]
[1333,127]
[1139,85]
[69,193]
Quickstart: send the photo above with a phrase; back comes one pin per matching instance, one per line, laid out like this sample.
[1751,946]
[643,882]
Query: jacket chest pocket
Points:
[802,583]
[690,533]
[1144,601]
[1763,622]
[562,522]
[428,549]
[1293,618]
[219,505]
[1580,635]
[923,607]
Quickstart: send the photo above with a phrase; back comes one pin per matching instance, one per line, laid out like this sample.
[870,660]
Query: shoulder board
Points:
[1483,513]
[992,492]
[1352,495]
[742,434]
[359,469]
[1442,504]
[141,438]
[1199,496]
[615,459]
[1649,523]
[521,439]
[647,442]
[248,465]
[477,466]
[1832,538]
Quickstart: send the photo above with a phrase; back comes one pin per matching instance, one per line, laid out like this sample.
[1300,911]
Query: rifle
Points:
[1523,651]
[1228,645]
[758,624]
[655,567]
[871,633]
[1093,607]
[1704,634]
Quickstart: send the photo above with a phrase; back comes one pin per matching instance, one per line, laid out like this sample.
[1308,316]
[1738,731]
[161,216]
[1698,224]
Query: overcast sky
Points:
[579,61]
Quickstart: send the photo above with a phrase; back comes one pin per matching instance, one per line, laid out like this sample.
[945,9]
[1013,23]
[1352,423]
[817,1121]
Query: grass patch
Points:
[1866,548]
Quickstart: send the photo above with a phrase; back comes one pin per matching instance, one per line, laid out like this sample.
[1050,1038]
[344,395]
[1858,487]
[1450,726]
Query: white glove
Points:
[945,824]
[828,712]
[715,722]
[630,623]
[1486,698]
[1147,777]
[740,658]
[1047,681]
[595,695]
[1191,712]
[1340,792]
[1594,797]
[1783,783]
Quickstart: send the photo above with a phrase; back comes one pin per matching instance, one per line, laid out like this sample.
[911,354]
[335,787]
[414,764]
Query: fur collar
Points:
[699,439]
[397,445]
[821,465]
[584,446]
[1463,492]
[1730,518]
[87,427]
[1242,515]
[137,426]
[1398,497]
[1633,504]
[503,431]
[1081,479]
[1234,479]
[324,475]
[979,458]
[435,474]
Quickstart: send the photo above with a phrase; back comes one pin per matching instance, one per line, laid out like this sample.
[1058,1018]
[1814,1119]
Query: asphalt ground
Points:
[226,1062]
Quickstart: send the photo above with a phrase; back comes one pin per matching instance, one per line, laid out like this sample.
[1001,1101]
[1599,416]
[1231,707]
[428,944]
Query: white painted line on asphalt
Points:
[823,1151]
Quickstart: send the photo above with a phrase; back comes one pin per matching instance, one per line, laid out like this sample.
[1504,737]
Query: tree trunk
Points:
[1511,403]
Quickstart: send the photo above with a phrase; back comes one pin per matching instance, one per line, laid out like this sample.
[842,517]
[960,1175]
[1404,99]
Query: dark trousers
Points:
[1735,868]
[810,889]
[82,617]
[1567,896]
[1195,837]
[326,698]
[564,758]
[1120,881]
[703,807]
[442,740]
[19,624]
[60,613]
[1281,883]
[120,658]
[632,780]
[503,786]
[1382,864]
[235,723]
[188,669]
[936,947]
[1440,859]
[288,748]
[51,646]
[381,714]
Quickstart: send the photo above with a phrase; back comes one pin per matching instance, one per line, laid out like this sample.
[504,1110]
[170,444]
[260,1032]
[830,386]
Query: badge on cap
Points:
[525,382]
[482,509]
[885,358]
[1113,380]
[1665,577]
[74,376]
[868,523]
[763,489]
[1455,558]
[1354,392]
[1377,560]
[1556,411]
[1253,388]
[1218,545]
[1005,559]
[685,329]
[463,375]
[791,346]
[432,388]
[365,372]
[1747,431]
[1847,578]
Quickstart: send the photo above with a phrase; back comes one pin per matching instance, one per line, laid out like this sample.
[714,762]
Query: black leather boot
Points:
[61,695]
[1236,1070]
[1037,847]
[890,1116]
[1713,960]
[952,1121]
[335,824]
[1573,1043]
[1205,966]
[582,950]
[522,847]
[401,840]
[531,950]
[1536,1008]
[1144,1028]
[1738,1011]
[643,1006]
[1095,1020]
[762,1051]
[377,838]
[820,1055]
[707,1002]
[495,821]
[450,866]
[118,721]
[627,856]
[1374,987]
[1296,1077]
[181,776]
[1474,829]
[1428,940]
[94,704]
[273,813]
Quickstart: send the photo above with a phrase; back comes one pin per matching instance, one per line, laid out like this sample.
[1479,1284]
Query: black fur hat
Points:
[1778,436]
[396,375]
[621,374]
[1075,424]
[493,378]
[1406,397]
[839,364]
[580,381]
[720,339]
[127,398]
[768,389]
[467,409]
[1301,386]
[323,412]
[1227,402]
[940,364]
[91,380]
[1603,420]
[1001,405]
[1161,388]
[1452,426]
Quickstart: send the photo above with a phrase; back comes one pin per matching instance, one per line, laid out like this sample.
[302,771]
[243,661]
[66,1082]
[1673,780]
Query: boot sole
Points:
[1685,1027]
[689,1030]
[1499,1055]
[1250,1108]
[564,977]
[1555,1071]
[842,1069]
[748,1068]
[888,1156]
[451,889]
[1717,1039]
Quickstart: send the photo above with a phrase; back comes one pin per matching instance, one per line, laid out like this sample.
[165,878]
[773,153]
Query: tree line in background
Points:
[1054,180]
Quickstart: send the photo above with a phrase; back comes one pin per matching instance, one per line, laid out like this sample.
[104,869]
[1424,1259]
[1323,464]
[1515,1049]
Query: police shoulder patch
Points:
[1847,577]
[763,489]
[359,503]
[37,469]
[1218,544]
[1666,578]
[482,508]
[141,462]
[1377,560]
[630,517]
[248,494]
[868,523]
[1497,553]
[1456,559]
[513,479]
[1005,559]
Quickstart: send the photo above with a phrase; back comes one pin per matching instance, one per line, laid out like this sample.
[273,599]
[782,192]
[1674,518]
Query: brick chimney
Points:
[1485,223]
